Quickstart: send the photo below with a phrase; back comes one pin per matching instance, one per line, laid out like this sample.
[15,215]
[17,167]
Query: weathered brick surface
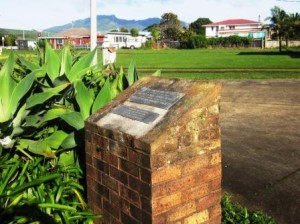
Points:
[199,217]
[172,174]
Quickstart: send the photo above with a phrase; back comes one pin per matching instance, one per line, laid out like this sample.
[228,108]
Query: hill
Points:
[106,23]
[27,34]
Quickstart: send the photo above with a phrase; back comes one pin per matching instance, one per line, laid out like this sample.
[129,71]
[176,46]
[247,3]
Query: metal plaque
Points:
[133,113]
[156,98]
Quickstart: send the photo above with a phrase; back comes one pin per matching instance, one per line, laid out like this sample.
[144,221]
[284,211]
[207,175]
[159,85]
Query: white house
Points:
[240,27]
[124,40]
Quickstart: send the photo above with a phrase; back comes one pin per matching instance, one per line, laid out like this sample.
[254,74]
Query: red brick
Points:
[129,167]
[209,201]
[112,210]
[196,192]
[88,159]
[110,183]
[166,203]
[139,158]
[126,219]
[160,219]
[182,211]
[102,190]
[199,217]
[130,195]
[212,120]
[215,211]
[88,149]
[100,142]
[101,166]
[146,204]
[145,175]
[91,183]
[166,174]
[118,175]
[141,187]
[215,220]
[104,132]
[215,158]
[119,203]
[209,174]
[173,186]
[215,184]
[140,215]
[90,171]
[110,159]
[195,164]
[117,149]
[143,146]
[123,138]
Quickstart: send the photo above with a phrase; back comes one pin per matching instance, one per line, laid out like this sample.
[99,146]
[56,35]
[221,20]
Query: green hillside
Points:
[28,34]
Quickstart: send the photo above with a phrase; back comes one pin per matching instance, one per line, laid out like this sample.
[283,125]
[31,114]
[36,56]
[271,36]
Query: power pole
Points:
[94,28]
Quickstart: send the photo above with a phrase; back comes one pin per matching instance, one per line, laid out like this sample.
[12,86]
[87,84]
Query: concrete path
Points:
[260,124]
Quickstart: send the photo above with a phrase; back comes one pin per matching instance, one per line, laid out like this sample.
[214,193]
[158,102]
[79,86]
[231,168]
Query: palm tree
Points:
[279,23]
[295,25]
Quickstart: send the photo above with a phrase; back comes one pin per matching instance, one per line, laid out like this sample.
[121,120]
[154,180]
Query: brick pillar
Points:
[171,172]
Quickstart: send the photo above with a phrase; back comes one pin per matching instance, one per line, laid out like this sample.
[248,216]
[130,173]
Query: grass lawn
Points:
[240,63]
[210,59]
[214,63]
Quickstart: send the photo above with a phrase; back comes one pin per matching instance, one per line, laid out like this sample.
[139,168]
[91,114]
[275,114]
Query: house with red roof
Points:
[78,37]
[239,27]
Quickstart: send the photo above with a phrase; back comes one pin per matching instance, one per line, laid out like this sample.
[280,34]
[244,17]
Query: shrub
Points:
[43,107]
[234,213]
[193,42]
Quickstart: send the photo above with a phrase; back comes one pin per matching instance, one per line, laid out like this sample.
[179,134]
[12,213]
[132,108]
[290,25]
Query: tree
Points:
[170,26]
[197,26]
[10,40]
[294,23]
[155,33]
[123,30]
[188,33]
[134,32]
[279,23]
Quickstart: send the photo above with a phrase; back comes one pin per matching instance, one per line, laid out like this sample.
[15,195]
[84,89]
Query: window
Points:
[212,28]
[231,27]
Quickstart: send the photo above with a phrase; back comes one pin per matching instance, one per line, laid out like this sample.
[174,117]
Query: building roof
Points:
[73,32]
[234,22]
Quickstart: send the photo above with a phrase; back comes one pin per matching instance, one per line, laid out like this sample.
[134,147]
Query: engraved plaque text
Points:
[156,98]
[133,113]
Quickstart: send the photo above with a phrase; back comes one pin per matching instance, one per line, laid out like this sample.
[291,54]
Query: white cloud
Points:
[42,14]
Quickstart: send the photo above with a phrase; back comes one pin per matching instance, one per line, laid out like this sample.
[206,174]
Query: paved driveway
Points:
[260,124]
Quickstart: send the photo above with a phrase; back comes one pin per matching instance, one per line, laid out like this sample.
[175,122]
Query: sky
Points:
[43,14]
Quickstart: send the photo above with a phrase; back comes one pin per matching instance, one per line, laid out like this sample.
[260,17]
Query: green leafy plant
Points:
[235,213]
[43,105]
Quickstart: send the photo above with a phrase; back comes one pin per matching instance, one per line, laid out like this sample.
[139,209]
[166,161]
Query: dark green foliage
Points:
[170,26]
[44,103]
[193,42]
[236,214]
[10,40]
[200,41]
[29,34]
[134,32]
[197,26]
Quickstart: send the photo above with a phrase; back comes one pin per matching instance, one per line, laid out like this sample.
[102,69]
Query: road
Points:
[260,125]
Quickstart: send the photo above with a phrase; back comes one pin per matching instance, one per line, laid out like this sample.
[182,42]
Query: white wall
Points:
[209,32]
[275,43]
[241,30]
